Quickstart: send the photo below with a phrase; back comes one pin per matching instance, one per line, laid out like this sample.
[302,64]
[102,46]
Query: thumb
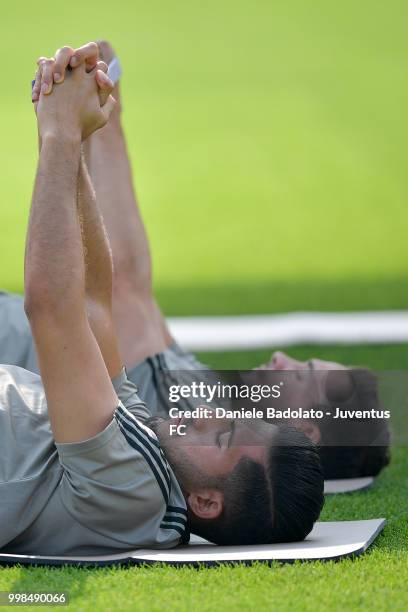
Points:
[105,86]
[108,107]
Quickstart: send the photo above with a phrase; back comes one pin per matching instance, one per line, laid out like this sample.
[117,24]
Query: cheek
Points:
[207,459]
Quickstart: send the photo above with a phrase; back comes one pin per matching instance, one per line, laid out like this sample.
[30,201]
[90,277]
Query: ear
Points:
[310,429]
[206,504]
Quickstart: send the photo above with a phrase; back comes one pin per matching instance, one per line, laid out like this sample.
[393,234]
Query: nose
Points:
[281,361]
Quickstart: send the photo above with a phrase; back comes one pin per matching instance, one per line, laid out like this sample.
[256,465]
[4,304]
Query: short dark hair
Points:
[354,448]
[276,504]
[353,461]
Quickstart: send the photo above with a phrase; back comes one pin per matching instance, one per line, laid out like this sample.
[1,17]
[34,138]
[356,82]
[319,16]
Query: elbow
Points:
[45,302]
[38,301]
[42,300]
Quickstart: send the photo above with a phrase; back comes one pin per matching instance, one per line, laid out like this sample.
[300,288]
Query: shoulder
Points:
[128,394]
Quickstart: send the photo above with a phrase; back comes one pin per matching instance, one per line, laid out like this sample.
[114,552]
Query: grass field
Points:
[269,145]
[268,140]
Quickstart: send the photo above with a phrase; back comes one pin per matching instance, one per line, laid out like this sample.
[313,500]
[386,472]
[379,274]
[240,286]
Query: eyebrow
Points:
[233,429]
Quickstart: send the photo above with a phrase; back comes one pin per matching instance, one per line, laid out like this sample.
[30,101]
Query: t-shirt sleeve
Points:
[108,484]
[127,392]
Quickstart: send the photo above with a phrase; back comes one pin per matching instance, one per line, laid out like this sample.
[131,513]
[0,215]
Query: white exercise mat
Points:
[329,540]
[347,485]
[264,331]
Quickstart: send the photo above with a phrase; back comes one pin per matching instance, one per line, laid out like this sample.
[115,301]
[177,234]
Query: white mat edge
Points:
[265,331]
[135,560]
[347,485]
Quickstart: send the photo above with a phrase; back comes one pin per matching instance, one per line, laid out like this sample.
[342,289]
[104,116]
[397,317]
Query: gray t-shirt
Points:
[110,493]
[16,342]
[152,375]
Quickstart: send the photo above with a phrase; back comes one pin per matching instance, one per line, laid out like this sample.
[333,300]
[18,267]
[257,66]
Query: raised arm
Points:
[80,396]
[98,272]
[139,324]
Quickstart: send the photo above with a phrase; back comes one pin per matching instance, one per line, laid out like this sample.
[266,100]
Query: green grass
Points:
[268,139]
[269,145]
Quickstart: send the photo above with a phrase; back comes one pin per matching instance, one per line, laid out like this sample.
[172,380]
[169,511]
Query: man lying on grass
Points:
[81,471]
[146,346]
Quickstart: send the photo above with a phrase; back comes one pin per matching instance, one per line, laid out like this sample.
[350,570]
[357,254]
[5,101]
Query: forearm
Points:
[98,273]
[98,258]
[110,170]
[54,266]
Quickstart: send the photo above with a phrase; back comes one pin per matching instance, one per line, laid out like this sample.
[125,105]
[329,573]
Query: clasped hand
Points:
[72,93]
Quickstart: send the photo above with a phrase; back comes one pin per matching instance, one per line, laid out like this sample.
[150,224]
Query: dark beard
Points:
[187,476]
[153,423]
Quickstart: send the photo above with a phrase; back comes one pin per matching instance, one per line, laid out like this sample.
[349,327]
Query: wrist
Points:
[60,135]
[56,146]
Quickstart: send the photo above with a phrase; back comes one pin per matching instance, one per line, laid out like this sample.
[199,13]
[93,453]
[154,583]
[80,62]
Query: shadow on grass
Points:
[72,581]
[283,296]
